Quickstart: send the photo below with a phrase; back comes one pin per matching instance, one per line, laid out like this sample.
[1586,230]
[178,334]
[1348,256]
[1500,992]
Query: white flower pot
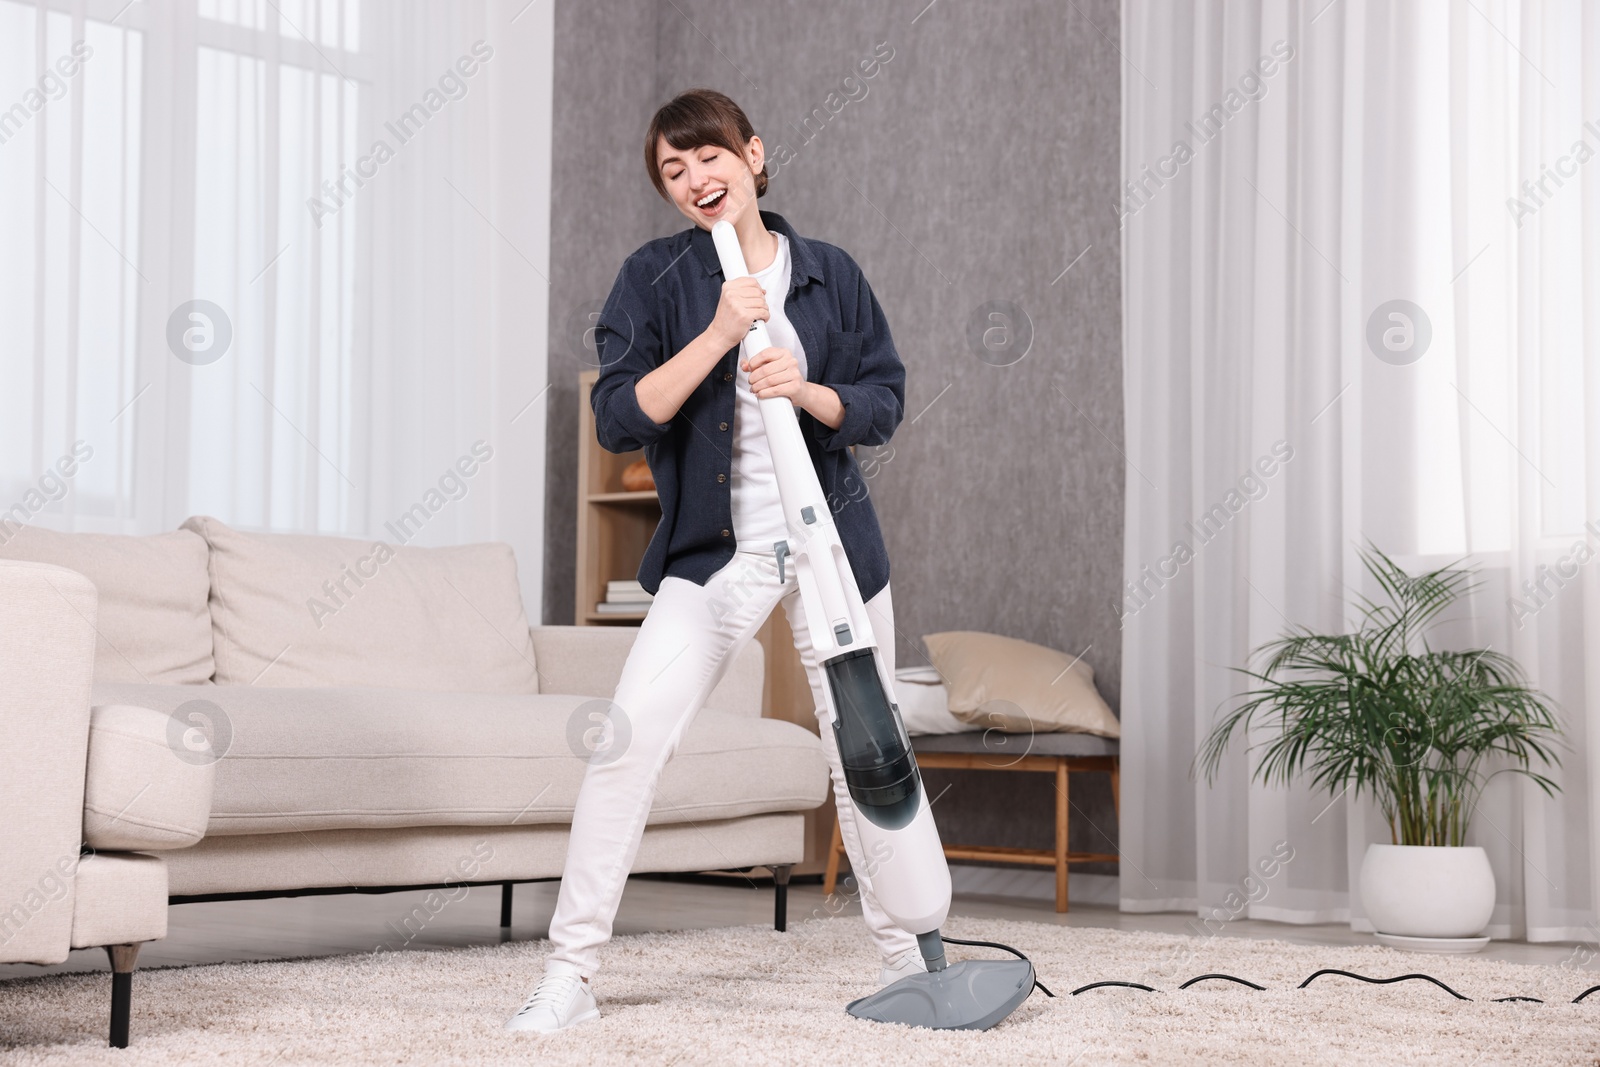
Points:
[1427,890]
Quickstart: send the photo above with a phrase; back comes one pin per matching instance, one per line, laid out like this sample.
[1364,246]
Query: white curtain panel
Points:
[281,263]
[1291,170]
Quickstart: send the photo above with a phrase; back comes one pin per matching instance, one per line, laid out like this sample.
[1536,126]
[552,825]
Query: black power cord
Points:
[1217,976]
[1384,981]
[1326,970]
[1124,985]
[1005,948]
[1224,977]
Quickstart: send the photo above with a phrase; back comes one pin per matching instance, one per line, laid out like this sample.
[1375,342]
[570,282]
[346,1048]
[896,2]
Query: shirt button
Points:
[722,426]
[727,376]
[727,533]
[722,477]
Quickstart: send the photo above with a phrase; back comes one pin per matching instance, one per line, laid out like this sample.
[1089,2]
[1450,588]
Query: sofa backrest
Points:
[588,661]
[154,623]
[313,610]
[207,602]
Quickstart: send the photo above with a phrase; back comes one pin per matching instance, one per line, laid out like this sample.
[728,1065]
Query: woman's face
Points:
[710,182]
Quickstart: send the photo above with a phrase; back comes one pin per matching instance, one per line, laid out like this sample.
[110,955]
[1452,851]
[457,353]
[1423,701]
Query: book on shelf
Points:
[626,592]
[621,608]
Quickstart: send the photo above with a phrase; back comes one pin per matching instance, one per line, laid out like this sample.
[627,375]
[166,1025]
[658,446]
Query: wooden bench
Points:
[1060,754]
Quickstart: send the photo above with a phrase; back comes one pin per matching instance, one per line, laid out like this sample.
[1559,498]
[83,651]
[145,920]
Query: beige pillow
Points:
[309,610]
[152,622]
[1017,686]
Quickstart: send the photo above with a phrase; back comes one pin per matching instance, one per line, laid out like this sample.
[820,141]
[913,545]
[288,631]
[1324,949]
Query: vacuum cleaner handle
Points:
[834,615]
[732,258]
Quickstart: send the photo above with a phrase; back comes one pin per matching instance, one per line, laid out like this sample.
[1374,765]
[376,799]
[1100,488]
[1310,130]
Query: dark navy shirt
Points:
[665,296]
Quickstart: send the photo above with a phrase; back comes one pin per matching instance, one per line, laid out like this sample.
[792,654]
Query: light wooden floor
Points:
[333,925]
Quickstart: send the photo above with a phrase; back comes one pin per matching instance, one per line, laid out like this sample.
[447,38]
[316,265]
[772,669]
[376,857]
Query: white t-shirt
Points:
[757,508]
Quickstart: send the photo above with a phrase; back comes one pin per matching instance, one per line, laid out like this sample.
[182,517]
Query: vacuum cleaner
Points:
[910,879]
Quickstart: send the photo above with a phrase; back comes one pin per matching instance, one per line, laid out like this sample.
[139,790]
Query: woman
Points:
[673,382]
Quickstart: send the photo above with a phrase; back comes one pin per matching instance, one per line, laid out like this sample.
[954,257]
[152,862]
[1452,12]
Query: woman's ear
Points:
[755,153]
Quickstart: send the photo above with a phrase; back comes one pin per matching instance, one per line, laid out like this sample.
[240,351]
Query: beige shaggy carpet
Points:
[751,995]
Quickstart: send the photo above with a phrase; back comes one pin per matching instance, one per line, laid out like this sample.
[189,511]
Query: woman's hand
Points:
[743,301]
[775,372]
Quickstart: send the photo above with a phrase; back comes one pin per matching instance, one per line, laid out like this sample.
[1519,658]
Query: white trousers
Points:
[689,636]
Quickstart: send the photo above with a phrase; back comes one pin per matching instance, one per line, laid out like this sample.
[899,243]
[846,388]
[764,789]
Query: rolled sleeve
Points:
[625,427]
[858,419]
[628,341]
[874,402]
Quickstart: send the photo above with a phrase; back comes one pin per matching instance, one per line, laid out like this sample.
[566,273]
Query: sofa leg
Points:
[505,905]
[780,883]
[123,959]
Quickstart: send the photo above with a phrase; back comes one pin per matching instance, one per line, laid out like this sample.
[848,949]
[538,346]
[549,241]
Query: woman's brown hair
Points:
[694,118]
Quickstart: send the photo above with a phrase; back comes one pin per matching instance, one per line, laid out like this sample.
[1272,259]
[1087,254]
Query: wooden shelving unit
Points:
[614,528]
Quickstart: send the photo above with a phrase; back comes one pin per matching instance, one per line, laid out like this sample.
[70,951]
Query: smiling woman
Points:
[671,383]
[701,119]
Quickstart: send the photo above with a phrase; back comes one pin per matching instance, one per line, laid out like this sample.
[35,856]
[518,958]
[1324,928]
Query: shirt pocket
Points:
[844,356]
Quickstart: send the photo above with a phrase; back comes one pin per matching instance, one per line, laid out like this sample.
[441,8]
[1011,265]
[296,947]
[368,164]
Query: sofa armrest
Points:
[47,619]
[588,661]
[121,899]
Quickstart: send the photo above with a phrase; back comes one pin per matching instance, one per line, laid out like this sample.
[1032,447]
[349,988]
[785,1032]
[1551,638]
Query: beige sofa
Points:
[278,714]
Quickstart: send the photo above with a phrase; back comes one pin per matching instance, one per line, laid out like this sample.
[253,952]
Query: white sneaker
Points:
[557,1002]
[908,962]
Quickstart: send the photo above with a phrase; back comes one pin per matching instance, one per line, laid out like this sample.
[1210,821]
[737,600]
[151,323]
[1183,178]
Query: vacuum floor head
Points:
[970,995]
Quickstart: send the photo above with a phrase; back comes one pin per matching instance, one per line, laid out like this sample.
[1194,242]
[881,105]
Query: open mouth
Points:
[712,203]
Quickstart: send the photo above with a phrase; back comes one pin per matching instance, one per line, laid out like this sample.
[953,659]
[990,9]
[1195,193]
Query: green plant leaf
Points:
[1379,711]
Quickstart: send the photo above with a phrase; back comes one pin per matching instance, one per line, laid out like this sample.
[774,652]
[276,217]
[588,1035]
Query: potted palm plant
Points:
[1379,711]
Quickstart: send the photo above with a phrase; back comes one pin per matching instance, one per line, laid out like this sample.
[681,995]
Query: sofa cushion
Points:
[153,623]
[430,855]
[149,779]
[292,610]
[336,758]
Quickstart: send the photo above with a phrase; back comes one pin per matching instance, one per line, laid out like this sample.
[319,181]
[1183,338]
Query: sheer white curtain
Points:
[358,191]
[1433,153]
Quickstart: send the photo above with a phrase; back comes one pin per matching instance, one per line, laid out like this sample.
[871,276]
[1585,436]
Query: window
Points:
[235,158]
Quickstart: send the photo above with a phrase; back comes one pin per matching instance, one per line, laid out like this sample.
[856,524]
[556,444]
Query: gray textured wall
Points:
[977,164]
